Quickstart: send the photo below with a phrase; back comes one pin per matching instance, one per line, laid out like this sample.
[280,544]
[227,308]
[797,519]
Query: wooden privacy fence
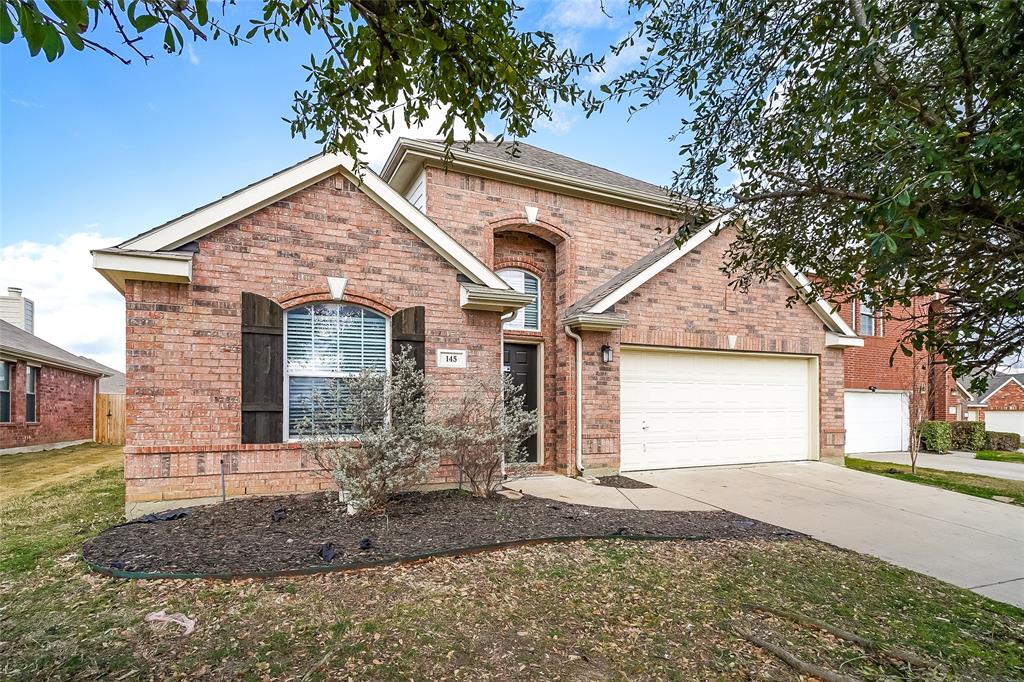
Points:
[110,418]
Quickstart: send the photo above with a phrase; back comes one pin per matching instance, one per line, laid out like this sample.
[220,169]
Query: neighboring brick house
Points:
[636,353]
[47,394]
[1001,405]
[880,377]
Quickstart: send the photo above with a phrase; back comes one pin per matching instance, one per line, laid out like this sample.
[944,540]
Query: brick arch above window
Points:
[321,294]
[519,263]
[549,232]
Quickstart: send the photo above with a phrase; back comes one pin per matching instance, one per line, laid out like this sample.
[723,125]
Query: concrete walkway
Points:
[963,462]
[974,543]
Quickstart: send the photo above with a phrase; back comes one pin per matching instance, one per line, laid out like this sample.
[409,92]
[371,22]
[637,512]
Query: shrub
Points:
[935,435]
[371,433]
[484,432]
[968,436]
[1001,440]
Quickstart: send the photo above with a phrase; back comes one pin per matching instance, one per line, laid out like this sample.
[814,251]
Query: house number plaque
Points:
[451,358]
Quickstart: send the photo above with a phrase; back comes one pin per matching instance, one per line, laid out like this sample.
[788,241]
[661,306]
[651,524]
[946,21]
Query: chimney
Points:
[14,291]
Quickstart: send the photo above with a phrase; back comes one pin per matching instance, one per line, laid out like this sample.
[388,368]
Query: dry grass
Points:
[583,611]
[25,472]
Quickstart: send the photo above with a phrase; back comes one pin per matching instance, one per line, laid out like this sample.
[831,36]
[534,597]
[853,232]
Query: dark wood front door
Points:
[520,360]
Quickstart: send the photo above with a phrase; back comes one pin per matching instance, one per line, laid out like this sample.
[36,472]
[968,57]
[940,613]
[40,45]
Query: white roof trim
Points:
[655,268]
[419,151]
[970,396]
[205,220]
[820,306]
[984,403]
[833,340]
[146,266]
[798,281]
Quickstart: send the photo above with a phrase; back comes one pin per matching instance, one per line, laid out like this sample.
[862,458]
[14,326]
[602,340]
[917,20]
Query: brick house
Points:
[47,394]
[636,353]
[1001,405]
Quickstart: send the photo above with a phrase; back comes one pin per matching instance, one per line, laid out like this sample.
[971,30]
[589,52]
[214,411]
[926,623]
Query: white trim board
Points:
[796,280]
[207,219]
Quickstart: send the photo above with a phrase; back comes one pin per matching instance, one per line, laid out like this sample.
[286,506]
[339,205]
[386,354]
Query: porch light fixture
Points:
[606,354]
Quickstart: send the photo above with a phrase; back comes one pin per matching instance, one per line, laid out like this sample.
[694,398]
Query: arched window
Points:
[325,345]
[526,283]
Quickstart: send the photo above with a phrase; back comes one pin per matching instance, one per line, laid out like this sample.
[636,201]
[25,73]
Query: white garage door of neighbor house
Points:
[1004,420]
[876,422]
[683,409]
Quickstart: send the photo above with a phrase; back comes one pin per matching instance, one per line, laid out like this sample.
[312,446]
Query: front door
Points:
[520,360]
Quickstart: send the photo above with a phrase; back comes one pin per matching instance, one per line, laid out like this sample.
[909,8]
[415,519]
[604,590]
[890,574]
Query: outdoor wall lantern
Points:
[606,354]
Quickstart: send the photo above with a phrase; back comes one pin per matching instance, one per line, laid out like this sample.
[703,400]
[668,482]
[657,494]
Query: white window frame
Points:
[877,328]
[9,367]
[518,322]
[30,371]
[287,437]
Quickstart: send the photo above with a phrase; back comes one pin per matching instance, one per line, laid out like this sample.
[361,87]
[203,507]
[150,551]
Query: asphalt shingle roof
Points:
[534,157]
[995,382]
[19,343]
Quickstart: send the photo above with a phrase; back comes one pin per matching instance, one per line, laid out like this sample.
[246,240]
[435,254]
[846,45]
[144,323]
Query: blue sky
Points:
[94,152]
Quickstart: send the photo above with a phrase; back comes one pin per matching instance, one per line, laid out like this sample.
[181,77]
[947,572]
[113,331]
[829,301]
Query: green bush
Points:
[935,436]
[968,436]
[1000,440]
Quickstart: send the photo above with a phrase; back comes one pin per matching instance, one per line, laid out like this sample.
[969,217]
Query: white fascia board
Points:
[479,297]
[148,267]
[427,230]
[591,322]
[820,306]
[419,152]
[658,266]
[970,396]
[209,218]
[833,340]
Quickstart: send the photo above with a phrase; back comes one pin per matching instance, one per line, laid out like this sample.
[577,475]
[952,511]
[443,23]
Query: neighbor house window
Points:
[529,317]
[31,388]
[6,376]
[866,320]
[325,346]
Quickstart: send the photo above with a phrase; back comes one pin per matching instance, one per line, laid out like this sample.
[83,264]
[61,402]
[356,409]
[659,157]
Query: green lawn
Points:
[1000,456]
[969,484]
[582,611]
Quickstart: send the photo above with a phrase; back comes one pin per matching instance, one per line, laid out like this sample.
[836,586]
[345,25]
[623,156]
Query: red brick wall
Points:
[64,408]
[183,341]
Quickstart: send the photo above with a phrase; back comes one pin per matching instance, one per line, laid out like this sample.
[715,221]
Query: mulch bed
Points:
[242,536]
[617,481]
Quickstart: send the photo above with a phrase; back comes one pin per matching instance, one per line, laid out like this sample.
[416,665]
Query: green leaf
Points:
[202,13]
[903,198]
[145,22]
[6,25]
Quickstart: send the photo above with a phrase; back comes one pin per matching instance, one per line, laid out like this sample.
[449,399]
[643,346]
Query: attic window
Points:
[527,318]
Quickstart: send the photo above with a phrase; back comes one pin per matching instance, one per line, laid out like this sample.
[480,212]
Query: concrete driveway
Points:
[967,541]
[962,462]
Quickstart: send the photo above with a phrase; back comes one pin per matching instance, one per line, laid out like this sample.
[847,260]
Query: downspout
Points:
[579,397]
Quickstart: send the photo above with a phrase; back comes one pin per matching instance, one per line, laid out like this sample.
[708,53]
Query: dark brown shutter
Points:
[262,370]
[408,330]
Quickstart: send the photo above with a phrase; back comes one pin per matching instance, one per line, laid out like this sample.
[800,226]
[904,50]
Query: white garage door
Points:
[876,422]
[1005,420]
[682,409]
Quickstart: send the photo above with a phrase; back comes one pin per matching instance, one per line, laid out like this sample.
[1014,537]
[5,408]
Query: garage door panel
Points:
[876,422]
[1005,420]
[699,409]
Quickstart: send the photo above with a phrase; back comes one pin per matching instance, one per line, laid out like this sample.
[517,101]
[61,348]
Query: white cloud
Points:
[193,58]
[563,118]
[583,14]
[75,308]
[377,147]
